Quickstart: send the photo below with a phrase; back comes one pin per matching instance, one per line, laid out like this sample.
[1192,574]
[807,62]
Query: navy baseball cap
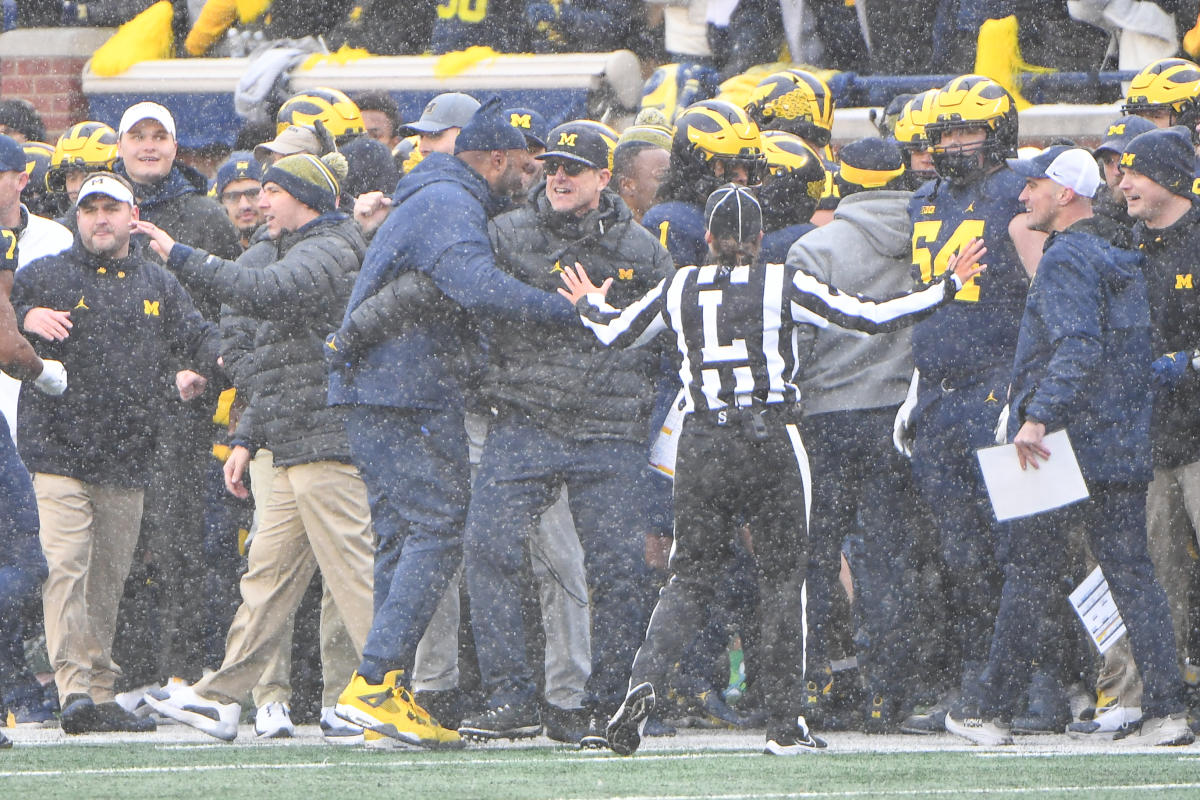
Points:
[1036,167]
[733,212]
[488,129]
[241,165]
[12,155]
[1121,132]
[529,122]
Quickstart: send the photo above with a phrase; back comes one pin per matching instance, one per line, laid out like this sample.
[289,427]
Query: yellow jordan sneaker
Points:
[388,708]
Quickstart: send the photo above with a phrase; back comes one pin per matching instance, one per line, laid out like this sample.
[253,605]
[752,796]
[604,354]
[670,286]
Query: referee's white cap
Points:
[733,212]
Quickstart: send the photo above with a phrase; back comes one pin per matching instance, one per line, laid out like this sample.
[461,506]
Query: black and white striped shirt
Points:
[736,327]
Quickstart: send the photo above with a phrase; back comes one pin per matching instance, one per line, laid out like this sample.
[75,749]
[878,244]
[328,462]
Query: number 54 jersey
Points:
[978,330]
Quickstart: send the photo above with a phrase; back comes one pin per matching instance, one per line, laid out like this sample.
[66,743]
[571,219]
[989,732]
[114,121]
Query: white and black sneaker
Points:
[624,731]
[274,721]
[1106,724]
[336,730]
[970,724]
[182,704]
[792,740]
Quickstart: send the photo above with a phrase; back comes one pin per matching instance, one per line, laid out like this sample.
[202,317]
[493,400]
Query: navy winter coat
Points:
[1083,354]
[439,226]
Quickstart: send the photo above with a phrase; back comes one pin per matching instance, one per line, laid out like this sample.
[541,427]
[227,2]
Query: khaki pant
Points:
[88,534]
[317,517]
[1172,531]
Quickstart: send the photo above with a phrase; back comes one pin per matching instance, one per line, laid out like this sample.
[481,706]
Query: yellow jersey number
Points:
[10,248]
[472,11]
[925,232]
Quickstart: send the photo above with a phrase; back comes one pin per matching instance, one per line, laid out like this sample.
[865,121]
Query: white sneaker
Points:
[274,721]
[337,730]
[1106,724]
[1168,731]
[182,704]
[970,724]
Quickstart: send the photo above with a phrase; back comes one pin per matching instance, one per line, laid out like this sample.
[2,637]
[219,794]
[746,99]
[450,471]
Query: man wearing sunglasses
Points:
[569,413]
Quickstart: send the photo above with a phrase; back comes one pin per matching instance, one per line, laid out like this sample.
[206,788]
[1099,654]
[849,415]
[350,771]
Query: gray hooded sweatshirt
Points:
[867,250]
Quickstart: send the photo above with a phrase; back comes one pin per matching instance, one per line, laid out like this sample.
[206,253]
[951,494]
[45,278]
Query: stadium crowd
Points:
[324,417]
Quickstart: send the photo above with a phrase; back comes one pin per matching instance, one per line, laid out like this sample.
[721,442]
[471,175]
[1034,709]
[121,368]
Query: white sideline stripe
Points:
[1152,787]
[59,773]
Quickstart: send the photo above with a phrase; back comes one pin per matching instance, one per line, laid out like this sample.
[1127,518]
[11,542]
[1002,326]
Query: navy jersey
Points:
[775,244]
[498,24]
[978,330]
[736,328]
[679,227]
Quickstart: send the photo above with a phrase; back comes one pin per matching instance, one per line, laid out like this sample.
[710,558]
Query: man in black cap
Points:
[570,413]
[1157,180]
[406,395]
[733,322]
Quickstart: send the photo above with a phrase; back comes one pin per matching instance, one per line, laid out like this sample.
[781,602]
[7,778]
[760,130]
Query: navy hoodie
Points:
[439,226]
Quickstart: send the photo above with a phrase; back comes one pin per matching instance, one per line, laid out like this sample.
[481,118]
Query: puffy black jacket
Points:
[1173,285]
[572,383]
[132,323]
[299,297]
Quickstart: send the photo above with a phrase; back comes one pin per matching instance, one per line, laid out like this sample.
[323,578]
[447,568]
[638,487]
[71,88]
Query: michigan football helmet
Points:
[1170,85]
[336,111]
[795,178]
[794,101]
[909,131]
[965,103]
[86,146]
[37,164]
[711,138]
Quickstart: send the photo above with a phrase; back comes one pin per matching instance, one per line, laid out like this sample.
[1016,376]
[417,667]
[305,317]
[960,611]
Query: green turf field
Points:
[723,765]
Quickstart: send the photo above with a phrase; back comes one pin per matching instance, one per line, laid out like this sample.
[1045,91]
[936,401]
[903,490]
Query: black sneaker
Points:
[566,725]
[792,739]
[78,714]
[5,742]
[595,737]
[110,717]
[509,721]
[624,731]
[930,720]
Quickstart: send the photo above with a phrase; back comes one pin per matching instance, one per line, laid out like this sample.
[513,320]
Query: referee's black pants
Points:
[726,475]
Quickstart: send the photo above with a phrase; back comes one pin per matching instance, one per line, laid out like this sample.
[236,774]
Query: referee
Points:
[734,325]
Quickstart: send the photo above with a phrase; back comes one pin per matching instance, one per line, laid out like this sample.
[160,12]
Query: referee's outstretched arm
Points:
[632,326]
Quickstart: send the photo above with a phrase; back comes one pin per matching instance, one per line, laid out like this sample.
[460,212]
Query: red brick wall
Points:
[44,67]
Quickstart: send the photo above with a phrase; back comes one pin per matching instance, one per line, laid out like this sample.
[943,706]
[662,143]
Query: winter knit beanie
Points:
[316,182]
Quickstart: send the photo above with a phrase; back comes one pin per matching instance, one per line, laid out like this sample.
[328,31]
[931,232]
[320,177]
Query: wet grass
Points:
[315,772]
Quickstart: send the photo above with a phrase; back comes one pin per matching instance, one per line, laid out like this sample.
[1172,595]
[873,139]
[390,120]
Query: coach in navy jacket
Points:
[1082,363]
[405,392]
[1077,369]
